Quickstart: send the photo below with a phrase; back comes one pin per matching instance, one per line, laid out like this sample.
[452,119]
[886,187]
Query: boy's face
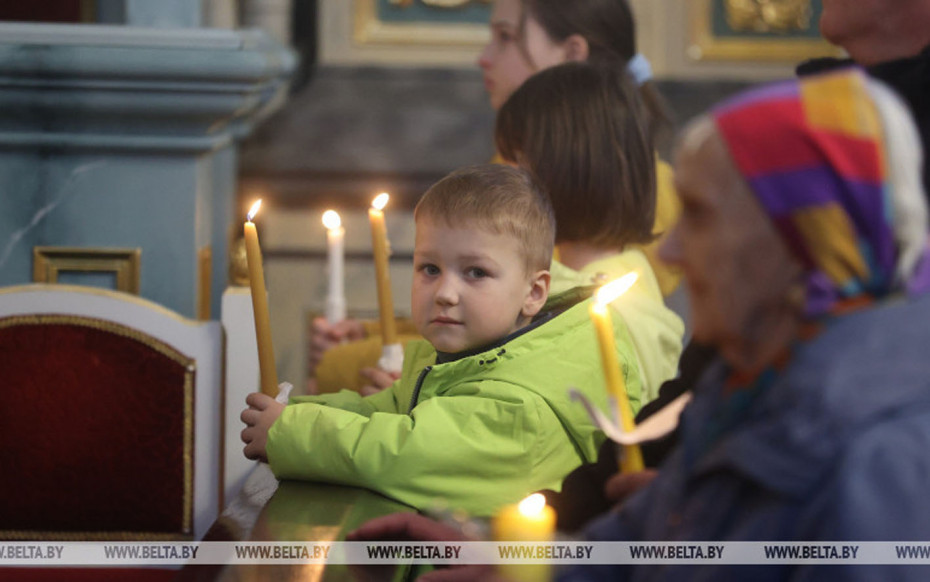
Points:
[470,286]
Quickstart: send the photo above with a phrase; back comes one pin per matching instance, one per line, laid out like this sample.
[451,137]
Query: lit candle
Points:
[335,255]
[632,459]
[531,520]
[379,242]
[253,255]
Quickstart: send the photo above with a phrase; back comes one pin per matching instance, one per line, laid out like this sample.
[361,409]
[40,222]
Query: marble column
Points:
[126,137]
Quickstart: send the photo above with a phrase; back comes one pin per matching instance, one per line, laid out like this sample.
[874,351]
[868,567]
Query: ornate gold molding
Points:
[438,3]
[764,30]
[768,15]
[368,29]
[48,262]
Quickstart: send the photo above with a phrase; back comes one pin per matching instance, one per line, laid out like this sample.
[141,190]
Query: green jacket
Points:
[481,432]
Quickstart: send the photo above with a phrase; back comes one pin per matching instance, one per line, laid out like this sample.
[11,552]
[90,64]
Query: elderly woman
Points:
[803,240]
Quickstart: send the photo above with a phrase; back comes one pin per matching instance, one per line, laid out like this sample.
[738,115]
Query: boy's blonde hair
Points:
[498,199]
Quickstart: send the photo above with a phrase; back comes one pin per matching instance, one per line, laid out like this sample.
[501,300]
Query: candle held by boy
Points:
[253,253]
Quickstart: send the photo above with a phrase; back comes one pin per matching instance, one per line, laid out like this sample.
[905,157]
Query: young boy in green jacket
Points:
[480,416]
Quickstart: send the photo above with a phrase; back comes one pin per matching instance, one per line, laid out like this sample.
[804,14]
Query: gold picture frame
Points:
[763,41]
[48,262]
[368,29]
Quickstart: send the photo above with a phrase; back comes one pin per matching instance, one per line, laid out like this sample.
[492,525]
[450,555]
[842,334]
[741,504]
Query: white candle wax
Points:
[335,267]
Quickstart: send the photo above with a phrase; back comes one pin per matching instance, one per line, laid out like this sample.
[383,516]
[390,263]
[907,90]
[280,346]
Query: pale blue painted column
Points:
[157,13]
[163,13]
[116,136]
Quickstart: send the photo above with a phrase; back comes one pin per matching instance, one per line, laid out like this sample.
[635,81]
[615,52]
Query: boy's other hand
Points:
[324,335]
[263,410]
[378,380]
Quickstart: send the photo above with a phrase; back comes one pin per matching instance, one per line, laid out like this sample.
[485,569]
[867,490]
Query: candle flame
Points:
[532,506]
[380,201]
[331,219]
[611,291]
[254,210]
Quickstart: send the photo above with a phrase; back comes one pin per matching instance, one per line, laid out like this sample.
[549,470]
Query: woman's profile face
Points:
[734,261]
[504,59]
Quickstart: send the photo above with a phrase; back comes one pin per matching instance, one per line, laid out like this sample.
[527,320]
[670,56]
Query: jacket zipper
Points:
[416,389]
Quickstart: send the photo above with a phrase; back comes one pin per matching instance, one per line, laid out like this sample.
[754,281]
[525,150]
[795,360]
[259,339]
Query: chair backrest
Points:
[111,417]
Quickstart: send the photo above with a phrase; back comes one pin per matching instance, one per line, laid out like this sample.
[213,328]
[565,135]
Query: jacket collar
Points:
[446,357]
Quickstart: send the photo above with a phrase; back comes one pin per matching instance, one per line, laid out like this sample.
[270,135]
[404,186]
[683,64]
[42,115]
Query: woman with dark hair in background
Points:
[528,36]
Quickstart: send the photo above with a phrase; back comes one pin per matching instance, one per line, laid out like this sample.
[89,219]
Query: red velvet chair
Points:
[111,421]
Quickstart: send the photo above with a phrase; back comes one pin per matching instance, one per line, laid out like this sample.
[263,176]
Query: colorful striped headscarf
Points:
[819,154]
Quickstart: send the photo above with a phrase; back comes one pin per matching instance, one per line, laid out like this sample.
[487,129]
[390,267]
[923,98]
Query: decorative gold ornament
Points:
[238,266]
[768,15]
[438,3]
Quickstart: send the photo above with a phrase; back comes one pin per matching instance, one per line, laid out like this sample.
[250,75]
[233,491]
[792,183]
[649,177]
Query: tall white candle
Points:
[335,266]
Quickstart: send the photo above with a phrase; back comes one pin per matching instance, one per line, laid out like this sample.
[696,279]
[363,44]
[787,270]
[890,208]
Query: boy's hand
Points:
[378,380]
[263,410]
[324,335]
